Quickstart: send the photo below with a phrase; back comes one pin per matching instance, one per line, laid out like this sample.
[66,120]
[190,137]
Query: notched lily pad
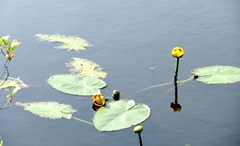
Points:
[74,85]
[217,74]
[119,115]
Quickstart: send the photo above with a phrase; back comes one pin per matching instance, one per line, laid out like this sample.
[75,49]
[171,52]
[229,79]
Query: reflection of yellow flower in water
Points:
[177,52]
[99,99]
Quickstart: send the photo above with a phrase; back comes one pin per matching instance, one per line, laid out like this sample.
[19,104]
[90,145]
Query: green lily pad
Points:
[51,110]
[74,85]
[120,115]
[69,43]
[217,74]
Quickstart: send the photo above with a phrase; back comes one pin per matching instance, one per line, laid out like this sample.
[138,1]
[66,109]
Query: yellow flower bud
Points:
[99,99]
[138,129]
[10,55]
[177,52]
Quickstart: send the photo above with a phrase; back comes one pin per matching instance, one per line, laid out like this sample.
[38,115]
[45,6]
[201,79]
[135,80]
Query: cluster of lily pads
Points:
[86,79]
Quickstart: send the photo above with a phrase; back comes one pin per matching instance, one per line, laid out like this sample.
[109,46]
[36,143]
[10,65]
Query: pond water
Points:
[132,42]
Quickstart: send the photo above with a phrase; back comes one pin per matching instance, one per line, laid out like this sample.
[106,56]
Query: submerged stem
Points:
[82,120]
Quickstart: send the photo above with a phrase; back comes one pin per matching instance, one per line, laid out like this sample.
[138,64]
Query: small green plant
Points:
[12,85]
[8,48]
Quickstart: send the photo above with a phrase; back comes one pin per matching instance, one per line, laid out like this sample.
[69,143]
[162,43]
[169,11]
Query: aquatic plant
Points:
[69,43]
[83,67]
[178,53]
[119,115]
[218,74]
[7,49]
[85,80]
[138,129]
[51,110]
[72,84]
[98,99]
[11,85]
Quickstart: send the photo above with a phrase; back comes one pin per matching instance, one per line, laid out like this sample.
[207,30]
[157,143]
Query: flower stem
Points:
[175,81]
[176,71]
[140,139]
[82,120]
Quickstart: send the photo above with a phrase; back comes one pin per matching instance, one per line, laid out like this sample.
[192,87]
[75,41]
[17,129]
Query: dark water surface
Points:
[132,43]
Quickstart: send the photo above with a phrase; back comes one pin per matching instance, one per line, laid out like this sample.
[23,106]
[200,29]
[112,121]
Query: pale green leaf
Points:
[12,82]
[120,115]
[15,43]
[83,67]
[69,43]
[217,74]
[6,37]
[51,110]
[72,84]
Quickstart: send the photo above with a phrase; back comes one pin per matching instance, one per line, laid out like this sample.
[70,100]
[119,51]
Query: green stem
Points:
[75,118]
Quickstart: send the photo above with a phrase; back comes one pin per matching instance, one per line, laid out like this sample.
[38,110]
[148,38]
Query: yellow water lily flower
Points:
[98,99]
[177,52]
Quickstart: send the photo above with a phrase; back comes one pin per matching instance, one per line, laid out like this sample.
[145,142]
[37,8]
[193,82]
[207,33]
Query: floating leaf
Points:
[217,74]
[69,43]
[12,82]
[119,115]
[84,67]
[72,84]
[51,110]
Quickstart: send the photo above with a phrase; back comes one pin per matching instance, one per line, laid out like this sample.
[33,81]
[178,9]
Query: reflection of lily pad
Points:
[217,74]
[84,67]
[69,43]
[120,115]
[51,110]
[72,84]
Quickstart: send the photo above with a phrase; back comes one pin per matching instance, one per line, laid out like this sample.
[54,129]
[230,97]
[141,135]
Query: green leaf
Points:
[72,84]
[84,67]
[217,74]
[12,82]
[120,115]
[14,45]
[69,43]
[5,42]
[5,37]
[51,110]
